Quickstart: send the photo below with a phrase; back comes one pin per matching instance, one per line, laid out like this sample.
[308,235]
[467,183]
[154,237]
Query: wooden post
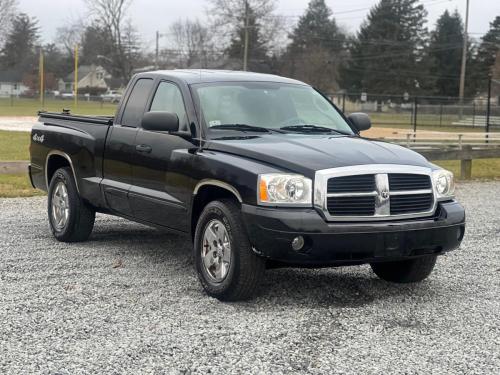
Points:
[466,169]
[466,165]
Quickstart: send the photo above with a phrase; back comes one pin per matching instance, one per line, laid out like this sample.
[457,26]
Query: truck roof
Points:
[191,76]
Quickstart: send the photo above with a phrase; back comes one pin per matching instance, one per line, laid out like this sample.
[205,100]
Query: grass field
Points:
[13,185]
[14,146]
[30,107]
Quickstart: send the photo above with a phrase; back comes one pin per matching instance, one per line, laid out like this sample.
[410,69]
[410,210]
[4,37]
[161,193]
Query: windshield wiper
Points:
[311,129]
[241,127]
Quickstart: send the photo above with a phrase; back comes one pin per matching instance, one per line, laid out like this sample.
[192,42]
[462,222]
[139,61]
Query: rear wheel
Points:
[70,218]
[405,271]
[227,267]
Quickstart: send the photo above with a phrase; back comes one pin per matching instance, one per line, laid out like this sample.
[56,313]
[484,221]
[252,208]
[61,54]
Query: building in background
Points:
[92,79]
[11,84]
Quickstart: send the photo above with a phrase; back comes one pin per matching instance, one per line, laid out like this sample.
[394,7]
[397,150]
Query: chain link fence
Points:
[430,113]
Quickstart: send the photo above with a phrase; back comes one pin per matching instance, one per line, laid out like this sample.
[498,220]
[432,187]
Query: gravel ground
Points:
[128,301]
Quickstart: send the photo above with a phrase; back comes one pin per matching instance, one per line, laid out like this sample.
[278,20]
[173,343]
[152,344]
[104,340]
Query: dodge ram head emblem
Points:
[384,194]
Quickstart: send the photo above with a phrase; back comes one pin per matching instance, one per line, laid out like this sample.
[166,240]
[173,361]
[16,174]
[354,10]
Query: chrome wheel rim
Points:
[60,206]
[216,251]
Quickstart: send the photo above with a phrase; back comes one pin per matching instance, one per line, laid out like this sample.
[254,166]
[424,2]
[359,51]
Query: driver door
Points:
[154,195]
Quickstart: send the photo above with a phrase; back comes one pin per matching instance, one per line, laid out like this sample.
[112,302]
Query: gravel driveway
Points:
[128,301]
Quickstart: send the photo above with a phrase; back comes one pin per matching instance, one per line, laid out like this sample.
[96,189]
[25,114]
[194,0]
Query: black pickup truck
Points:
[257,170]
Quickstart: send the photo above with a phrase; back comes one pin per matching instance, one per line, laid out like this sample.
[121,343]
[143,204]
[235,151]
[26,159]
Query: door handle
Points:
[143,148]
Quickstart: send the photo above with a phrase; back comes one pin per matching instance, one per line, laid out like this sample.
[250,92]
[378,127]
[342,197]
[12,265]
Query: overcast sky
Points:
[151,15]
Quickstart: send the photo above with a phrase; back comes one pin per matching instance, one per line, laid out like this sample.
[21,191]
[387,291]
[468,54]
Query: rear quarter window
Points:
[136,103]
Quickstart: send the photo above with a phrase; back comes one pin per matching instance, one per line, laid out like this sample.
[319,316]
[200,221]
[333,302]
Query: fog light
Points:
[298,243]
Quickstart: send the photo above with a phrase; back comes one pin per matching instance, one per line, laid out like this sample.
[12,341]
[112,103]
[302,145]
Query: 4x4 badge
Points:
[38,138]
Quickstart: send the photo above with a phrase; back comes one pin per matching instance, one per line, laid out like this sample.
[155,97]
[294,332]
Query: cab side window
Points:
[168,98]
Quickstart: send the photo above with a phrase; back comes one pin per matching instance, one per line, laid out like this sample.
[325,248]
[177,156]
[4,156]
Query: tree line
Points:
[394,52]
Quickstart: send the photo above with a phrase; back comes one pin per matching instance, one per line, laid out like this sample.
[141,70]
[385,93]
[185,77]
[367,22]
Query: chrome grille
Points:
[374,192]
[404,204]
[345,206]
[358,183]
[406,181]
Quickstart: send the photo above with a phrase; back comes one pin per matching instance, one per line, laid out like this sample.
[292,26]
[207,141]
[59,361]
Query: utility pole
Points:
[76,76]
[488,107]
[42,79]
[157,54]
[245,51]
[464,58]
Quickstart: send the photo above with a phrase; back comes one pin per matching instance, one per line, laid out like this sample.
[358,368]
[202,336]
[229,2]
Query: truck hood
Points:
[307,154]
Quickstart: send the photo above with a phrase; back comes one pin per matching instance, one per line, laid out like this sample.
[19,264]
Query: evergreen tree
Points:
[316,48]
[256,46]
[228,19]
[57,63]
[386,54]
[444,55]
[488,54]
[19,50]
[96,41]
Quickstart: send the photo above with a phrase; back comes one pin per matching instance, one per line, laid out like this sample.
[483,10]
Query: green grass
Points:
[14,185]
[30,107]
[483,169]
[14,145]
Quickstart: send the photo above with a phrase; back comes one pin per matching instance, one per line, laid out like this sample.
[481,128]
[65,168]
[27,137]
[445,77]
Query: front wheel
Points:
[227,267]
[70,218]
[405,271]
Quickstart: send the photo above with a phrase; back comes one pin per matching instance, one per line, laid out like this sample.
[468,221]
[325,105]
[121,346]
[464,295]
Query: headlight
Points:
[443,183]
[284,189]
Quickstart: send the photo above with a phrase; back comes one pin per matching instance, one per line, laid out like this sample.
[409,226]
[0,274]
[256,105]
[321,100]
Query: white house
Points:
[90,77]
[11,83]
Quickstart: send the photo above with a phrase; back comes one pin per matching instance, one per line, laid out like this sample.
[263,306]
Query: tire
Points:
[79,219]
[245,269]
[405,271]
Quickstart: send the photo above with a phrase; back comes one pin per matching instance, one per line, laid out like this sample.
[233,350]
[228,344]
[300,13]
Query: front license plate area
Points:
[392,244]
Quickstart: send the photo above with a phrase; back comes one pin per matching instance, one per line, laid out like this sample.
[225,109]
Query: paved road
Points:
[128,301]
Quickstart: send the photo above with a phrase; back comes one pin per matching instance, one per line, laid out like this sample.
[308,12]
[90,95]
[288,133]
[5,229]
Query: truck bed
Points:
[67,116]
[64,138]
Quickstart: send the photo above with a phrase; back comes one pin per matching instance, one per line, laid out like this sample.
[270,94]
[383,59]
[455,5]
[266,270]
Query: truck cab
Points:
[256,170]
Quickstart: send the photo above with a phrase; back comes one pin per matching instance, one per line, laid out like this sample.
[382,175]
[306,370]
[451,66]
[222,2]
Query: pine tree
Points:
[316,48]
[256,46]
[386,54]
[444,55]
[19,48]
[228,20]
[488,54]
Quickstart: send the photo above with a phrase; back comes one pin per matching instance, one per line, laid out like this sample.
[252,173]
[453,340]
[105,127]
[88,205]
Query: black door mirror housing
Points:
[361,121]
[160,121]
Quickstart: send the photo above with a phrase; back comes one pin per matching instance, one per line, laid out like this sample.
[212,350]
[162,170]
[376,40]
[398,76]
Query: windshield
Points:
[273,106]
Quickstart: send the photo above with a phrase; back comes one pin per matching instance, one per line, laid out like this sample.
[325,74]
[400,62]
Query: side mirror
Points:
[360,121]
[160,121]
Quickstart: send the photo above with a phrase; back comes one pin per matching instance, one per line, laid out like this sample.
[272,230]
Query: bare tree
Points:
[111,15]
[7,10]
[192,43]
[70,35]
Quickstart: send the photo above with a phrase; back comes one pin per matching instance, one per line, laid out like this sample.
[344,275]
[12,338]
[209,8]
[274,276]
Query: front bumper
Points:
[271,231]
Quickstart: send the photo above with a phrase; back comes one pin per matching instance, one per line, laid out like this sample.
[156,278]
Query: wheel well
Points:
[53,164]
[205,195]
